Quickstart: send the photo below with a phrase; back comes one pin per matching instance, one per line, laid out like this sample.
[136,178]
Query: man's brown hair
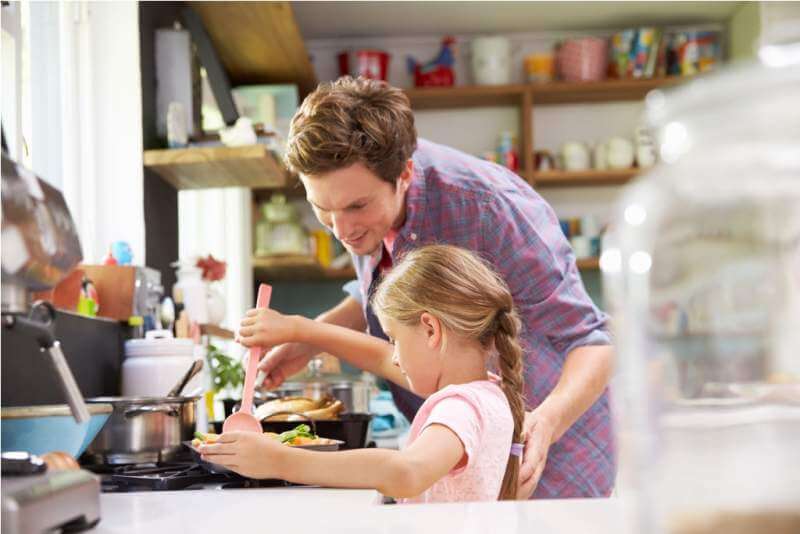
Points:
[350,121]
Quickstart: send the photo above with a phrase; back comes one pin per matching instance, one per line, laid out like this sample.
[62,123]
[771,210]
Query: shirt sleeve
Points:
[353,289]
[459,413]
[523,240]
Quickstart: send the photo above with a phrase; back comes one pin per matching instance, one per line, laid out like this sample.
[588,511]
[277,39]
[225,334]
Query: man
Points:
[383,192]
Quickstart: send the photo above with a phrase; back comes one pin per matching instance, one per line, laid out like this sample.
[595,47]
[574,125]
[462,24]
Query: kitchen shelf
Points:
[298,267]
[588,264]
[602,91]
[252,166]
[466,96]
[590,177]
[527,98]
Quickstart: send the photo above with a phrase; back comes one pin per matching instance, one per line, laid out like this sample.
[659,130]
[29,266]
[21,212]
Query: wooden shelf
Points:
[216,331]
[298,267]
[258,42]
[466,96]
[602,91]
[591,177]
[588,264]
[250,166]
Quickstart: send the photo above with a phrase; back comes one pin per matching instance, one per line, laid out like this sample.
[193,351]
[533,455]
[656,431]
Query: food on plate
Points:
[301,435]
[298,408]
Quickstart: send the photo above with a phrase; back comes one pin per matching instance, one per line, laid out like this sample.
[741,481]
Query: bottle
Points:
[177,136]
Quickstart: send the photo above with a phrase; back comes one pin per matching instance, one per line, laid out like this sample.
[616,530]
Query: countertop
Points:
[334,511]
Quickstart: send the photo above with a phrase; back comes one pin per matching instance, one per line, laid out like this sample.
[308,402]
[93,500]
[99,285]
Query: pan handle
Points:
[143,410]
[305,418]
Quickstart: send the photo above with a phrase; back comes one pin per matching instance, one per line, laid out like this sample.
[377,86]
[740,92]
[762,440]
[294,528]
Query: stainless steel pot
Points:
[353,394]
[143,429]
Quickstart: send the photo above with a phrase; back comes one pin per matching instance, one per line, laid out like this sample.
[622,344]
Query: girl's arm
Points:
[398,474]
[267,328]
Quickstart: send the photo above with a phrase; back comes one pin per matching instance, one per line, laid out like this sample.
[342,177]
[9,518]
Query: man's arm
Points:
[587,371]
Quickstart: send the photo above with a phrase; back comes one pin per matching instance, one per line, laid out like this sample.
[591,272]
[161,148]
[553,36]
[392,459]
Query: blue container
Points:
[42,429]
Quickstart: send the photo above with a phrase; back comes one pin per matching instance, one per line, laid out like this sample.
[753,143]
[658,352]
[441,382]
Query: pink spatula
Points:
[243,420]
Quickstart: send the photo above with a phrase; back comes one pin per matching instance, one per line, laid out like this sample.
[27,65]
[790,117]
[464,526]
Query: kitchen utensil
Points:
[143,429]
[153,365]
[355,395]
[583,60]
[243,420]
[51,501]
[43,429]
[491,60]
[195,368]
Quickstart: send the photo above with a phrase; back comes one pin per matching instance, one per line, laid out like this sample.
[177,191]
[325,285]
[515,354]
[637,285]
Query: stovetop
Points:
[172,476]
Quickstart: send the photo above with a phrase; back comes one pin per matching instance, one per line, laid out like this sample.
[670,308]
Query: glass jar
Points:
[280,231]
[702,273]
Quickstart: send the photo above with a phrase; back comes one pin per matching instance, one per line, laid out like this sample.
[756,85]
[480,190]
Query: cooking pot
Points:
[354,395]
[143,429]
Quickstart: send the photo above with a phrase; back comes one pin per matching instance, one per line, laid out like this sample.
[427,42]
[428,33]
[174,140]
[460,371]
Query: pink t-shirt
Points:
[479,414]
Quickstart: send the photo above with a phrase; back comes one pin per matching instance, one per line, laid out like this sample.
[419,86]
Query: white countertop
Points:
[334,511]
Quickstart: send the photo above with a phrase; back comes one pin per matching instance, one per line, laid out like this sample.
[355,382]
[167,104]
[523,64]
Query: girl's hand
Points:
[266,328]
[250,454]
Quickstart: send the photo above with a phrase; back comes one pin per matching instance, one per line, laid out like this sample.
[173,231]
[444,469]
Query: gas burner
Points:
[172,476]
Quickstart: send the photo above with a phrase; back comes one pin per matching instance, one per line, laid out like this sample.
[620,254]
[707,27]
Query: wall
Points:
[745,31]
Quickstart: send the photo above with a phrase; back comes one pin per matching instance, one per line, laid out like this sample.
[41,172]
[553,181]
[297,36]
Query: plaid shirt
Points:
[460,200]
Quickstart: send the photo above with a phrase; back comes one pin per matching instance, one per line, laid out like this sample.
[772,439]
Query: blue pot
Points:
[42,429]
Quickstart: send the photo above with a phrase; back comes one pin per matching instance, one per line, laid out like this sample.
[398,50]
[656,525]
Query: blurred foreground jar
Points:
[702,272]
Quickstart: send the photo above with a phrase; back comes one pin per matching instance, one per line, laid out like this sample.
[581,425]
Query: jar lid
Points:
[159,343]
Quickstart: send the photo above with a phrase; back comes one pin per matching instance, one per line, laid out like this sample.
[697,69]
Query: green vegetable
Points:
[225,371]
[200,436]
[302,431]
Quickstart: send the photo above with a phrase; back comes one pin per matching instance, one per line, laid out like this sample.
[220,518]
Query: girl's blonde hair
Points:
[471,301]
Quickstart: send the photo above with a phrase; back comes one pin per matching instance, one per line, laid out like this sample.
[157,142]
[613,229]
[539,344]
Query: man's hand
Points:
[275,334]
[538,432]
[251,454]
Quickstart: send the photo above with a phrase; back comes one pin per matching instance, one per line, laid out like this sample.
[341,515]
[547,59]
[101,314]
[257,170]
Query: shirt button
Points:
[413,237]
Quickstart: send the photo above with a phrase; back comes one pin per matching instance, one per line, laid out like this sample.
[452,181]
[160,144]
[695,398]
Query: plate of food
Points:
[300,437]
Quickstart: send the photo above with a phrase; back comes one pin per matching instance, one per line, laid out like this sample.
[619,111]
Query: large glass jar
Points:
[702,273]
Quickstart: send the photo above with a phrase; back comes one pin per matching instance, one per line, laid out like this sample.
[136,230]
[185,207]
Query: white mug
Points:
[491,60]
[575,155]
[620,153]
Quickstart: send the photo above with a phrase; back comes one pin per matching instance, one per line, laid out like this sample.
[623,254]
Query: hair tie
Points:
[517,448]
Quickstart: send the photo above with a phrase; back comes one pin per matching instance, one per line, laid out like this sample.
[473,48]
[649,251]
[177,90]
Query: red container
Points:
[583,60]
[372,64]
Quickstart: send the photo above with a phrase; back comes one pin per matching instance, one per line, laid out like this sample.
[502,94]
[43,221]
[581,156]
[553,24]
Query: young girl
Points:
[446,314]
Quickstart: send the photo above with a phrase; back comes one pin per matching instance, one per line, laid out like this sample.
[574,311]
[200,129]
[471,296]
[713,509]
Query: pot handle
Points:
[143,410]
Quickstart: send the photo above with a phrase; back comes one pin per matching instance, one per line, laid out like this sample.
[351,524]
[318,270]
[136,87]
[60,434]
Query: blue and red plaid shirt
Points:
[460,200]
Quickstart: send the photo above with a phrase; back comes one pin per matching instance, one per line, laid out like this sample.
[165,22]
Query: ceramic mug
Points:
[575,155]
[491,60]
[620,153]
